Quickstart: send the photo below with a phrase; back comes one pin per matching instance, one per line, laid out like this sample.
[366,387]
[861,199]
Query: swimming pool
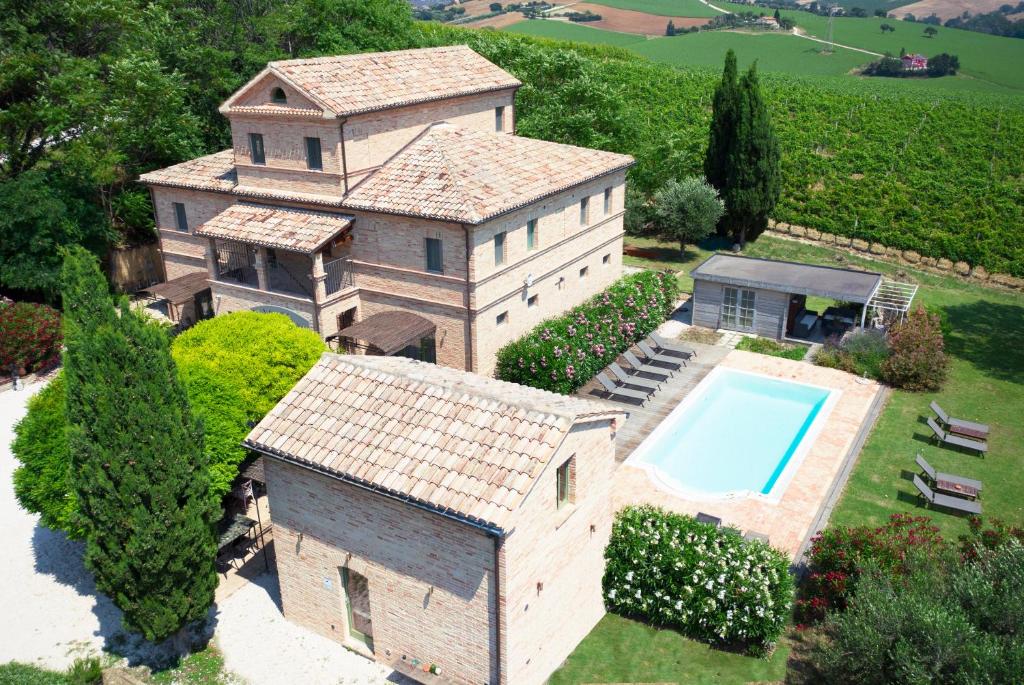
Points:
[737,434]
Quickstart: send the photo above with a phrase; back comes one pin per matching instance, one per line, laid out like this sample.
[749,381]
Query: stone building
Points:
[392,184]
[445,523]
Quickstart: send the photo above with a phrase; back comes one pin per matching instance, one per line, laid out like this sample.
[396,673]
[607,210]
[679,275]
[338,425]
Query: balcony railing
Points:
[339,275]
[236,263]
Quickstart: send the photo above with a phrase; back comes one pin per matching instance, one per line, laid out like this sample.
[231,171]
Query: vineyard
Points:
[940,174]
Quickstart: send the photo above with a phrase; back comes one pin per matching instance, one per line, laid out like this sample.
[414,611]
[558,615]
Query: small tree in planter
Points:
[917,359]
[687,210]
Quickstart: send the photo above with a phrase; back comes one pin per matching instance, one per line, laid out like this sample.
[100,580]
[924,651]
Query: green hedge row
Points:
[563,353]
[710,583]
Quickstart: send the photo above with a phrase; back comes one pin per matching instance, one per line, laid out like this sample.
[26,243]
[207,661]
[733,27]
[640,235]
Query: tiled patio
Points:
[789,521]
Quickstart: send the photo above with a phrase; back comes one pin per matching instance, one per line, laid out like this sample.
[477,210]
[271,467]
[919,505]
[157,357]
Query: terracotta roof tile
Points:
[351,84]
[456,174]
[287,228]
[212,172]
[406,454]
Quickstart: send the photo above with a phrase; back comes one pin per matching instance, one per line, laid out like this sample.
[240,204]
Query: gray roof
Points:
[789,277]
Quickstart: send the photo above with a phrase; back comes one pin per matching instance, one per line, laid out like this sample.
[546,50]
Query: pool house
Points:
[770,298]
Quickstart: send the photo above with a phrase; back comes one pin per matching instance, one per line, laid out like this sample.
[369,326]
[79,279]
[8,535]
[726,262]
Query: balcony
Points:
[286,272]
[339,275]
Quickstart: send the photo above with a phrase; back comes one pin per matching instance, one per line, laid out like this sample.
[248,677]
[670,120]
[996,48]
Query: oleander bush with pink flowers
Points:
[30,337]
[709,583]
[563,353]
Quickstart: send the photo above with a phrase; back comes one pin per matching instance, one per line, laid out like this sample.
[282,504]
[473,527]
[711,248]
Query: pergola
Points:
[891,296]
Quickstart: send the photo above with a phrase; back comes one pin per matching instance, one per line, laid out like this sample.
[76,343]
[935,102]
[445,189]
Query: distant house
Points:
[914,62]
[768,23]
[448,524]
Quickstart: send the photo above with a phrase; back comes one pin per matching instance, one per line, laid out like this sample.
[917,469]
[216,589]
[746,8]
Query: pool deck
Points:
[788,523]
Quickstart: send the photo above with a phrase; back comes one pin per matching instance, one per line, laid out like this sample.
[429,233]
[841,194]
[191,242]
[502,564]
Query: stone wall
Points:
[134,268]
[908,258]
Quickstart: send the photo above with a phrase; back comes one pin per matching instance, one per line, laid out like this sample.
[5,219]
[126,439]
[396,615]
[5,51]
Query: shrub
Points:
[941,623]
[670,570]
[982,537]
[30,336]
[85,671]
[862,353]
[839,553]
[235,368]
[563,353]
[918,358]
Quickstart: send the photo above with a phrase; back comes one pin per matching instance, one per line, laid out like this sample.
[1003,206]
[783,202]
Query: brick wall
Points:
[228,297]
[185,253]
[557,547]
[430,578]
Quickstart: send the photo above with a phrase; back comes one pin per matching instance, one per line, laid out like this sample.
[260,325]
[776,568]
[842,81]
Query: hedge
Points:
[563,353]
[711,584]
[30,336]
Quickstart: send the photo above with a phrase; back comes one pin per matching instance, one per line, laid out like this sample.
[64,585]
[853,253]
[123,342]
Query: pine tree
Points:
[670,30]
[137,461]
[725,108]
[753,180]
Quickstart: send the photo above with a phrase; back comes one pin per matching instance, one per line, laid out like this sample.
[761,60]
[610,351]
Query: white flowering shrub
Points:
[710,584]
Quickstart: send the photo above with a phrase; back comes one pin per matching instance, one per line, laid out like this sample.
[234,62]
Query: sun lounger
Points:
[950,439]
[655,359]
[945,501]
[657,372]
[708,518]
[947,482]
[665,346]
[968,428]
[621,394]
[626,379]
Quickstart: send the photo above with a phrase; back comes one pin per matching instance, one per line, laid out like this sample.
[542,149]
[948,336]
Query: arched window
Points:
[277,96]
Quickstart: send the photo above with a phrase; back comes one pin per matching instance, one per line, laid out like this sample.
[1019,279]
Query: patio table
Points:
[232,529]
[954,487]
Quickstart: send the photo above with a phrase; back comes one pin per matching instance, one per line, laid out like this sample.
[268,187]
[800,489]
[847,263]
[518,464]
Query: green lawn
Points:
[773,348]
[668,8]
[619,650]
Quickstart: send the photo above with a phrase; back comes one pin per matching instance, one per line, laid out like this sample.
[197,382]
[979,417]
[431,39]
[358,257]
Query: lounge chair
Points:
[621,394]
[659,373]
[665,346]
[938,476]
[708,518]
[938,499]
[969,428]
[950,439]
[655,359]
[627,379]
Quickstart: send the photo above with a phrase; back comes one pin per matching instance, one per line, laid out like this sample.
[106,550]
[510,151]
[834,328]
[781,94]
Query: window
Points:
[435,262]
[606,260]
[313,160]
[499,249]
[180,219]
[584,272]
[501,319]
[607,200]
[499,119]
[278,97]
[531,234]
[533,301]
[565,483]
[584,210]
[737,308]
[256,148]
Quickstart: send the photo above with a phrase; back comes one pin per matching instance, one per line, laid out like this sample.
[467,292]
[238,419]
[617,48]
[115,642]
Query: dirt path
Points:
[799,33]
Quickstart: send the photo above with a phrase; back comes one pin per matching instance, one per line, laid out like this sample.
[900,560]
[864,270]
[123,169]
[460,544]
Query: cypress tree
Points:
[137,463]
[670,30]
[725,108]
[753,180]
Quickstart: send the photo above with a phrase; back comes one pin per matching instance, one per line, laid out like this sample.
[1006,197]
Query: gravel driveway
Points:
[52,612]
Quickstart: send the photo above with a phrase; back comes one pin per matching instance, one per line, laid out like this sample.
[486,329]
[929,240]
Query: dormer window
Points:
[278,97]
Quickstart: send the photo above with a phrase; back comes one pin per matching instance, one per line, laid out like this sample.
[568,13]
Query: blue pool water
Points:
[736,434]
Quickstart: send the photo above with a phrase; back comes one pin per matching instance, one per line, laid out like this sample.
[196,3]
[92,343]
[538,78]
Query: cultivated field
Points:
[665,8]
[947,9]
[498,21]
[629,21]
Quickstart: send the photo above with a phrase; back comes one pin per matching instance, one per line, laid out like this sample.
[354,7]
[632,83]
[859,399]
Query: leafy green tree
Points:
[886,27]
[724,120]
[137,462]
[777,15]
[755,176]
[495,6]
[310,28]
[687,210]
[943,64]
[930,31]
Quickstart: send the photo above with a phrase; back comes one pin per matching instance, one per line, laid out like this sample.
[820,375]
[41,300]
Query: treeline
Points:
[94,97]
[996,23]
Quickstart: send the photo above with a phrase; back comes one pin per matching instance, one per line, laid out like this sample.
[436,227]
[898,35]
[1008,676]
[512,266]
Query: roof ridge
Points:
[459,186]
[325,59]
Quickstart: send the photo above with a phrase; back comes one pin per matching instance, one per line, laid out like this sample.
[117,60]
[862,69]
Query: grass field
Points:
[989,58]
[619,650]
[667,8]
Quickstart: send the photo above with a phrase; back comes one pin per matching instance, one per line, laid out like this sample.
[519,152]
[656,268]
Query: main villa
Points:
[384,201]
